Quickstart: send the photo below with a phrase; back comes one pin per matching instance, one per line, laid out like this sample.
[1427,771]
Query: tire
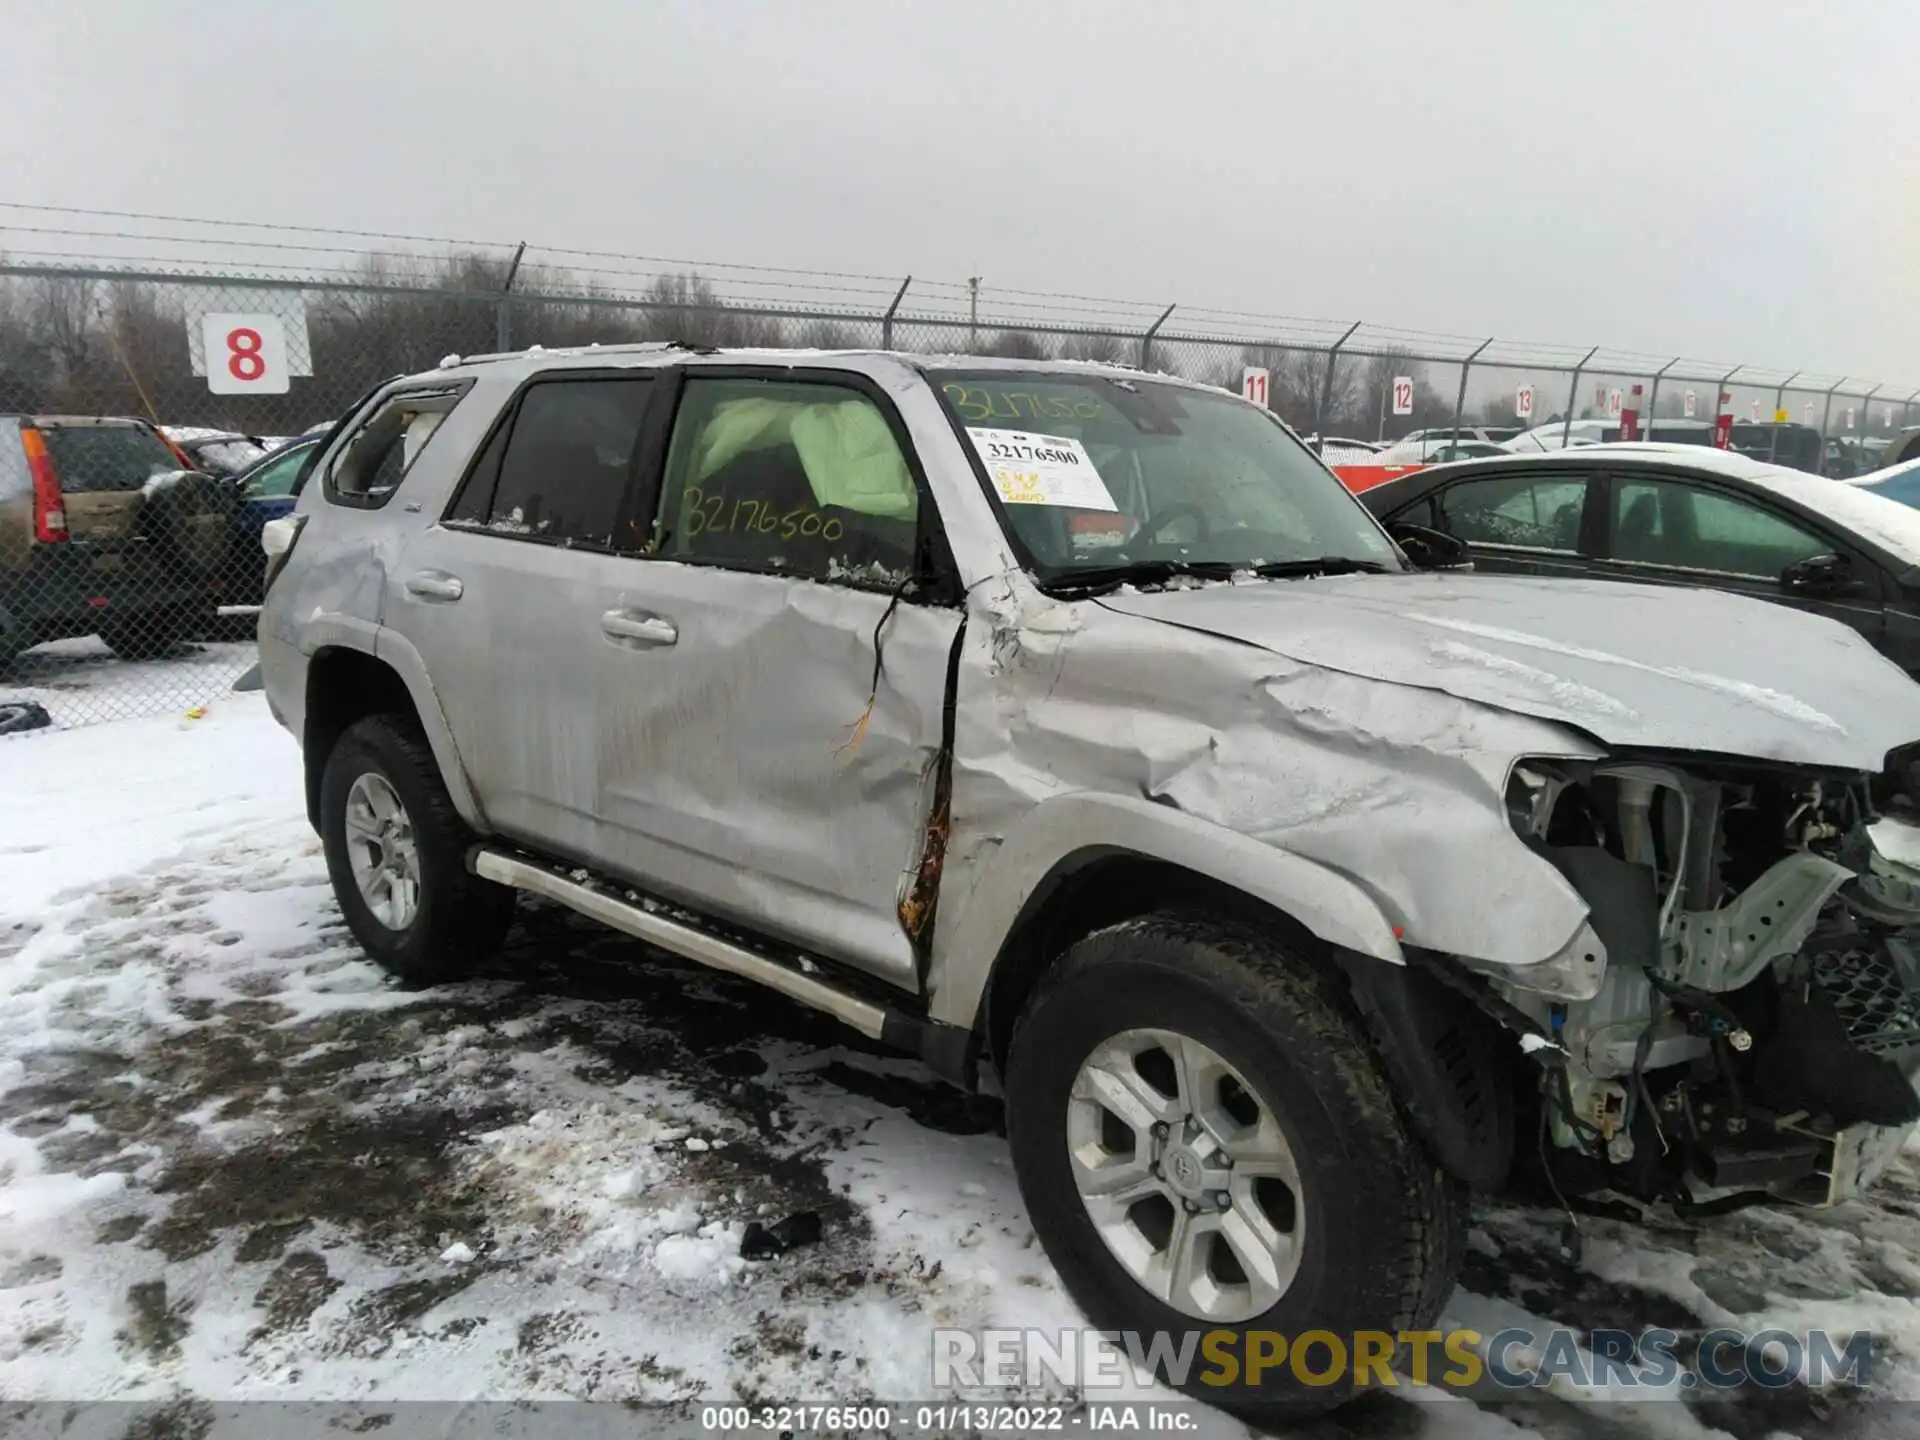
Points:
[149,634]
[1379,1228]
[457,920]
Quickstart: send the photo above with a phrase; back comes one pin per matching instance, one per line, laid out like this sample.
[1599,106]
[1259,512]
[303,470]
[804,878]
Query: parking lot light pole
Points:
[1460,396]
[1326,391]
[1653,399]
[1573,396]
[1826,414]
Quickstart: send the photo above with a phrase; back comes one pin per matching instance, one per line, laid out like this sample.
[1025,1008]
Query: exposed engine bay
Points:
[1750,1021]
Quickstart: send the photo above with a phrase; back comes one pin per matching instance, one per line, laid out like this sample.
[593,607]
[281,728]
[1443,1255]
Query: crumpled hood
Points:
[1632,665]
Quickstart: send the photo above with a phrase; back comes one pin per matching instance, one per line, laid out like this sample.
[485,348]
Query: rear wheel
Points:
[1205,1142]
[396,853]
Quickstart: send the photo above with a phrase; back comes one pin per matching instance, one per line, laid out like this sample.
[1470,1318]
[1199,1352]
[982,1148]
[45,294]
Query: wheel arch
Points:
[346,683]
[1077,863]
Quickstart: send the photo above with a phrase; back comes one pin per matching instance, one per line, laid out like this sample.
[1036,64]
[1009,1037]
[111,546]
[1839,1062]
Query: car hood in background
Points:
[1631,665]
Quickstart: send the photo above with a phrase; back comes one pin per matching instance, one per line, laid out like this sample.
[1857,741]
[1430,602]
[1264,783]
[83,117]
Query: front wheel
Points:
[1206,1143]
[396,853]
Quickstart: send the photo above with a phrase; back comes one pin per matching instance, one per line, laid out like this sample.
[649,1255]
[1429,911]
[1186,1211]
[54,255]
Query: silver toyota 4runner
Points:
[1074,729]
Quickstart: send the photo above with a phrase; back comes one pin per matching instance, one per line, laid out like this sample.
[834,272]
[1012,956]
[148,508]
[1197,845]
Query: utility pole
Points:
[973,315]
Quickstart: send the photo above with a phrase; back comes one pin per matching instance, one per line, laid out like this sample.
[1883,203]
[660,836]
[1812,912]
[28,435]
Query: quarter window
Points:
[1531,512]
[1661,522]
[789,478]
[381,452]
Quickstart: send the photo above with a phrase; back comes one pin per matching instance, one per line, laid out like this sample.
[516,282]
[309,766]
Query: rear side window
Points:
[558,468]
[274,480]
[386,444]
[105,457]
[1661,522]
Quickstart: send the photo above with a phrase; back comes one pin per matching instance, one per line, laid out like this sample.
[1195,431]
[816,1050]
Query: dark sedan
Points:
[1679,515]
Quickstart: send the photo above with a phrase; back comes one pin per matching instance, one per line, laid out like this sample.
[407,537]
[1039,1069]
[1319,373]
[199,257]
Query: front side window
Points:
[1664,522]
[558,468]
[790,478]
[1091,472]
[1530,512]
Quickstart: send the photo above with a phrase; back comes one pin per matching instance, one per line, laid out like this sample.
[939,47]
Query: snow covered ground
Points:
[82,682]
[236,1162]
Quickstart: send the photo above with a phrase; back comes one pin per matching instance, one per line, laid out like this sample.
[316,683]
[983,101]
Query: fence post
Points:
[1773,425]
[1573,397]
[1866,400]
[1826,414]
[1146,340]
[1653,400]
[1460,396]
[503,307]
[1721,389]
[886,320]
[1326,392]
[1906,410]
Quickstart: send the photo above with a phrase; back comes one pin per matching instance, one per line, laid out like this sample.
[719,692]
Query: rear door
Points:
[1519,521]
[503,598]
[1663,529]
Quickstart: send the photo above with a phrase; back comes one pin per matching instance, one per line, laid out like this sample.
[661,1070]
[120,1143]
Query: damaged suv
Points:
[1075,729]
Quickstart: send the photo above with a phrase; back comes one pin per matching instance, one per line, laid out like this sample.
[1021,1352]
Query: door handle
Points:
[639,629]
[435,585]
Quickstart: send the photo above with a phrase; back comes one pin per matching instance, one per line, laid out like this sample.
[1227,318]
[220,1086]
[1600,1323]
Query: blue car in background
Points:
[265,492]
[1897,482]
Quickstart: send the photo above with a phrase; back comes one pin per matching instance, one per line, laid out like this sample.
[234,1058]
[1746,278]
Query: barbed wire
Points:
[241,245]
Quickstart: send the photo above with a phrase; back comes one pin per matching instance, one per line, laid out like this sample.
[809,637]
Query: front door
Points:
[1518,522]
[770,684]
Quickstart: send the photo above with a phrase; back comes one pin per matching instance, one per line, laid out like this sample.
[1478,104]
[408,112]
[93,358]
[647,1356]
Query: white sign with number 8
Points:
[245,354]
[1403,394]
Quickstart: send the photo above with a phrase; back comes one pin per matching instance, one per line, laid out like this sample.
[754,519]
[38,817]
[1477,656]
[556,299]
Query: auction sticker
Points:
[1029,469]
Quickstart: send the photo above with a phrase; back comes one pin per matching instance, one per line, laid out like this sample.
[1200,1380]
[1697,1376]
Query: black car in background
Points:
[1677,515]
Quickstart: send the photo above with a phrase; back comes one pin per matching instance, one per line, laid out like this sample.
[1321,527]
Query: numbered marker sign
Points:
[246,354]
[1616,402]
[1523,402]
[1692,404]
[1403,394]
[1253,384]
[1757,412]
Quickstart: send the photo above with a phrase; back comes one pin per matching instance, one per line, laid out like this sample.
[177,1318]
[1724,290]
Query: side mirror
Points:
[1430,549]
[1817,575]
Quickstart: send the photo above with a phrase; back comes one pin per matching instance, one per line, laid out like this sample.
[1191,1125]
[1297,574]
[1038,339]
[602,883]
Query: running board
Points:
[946,1048]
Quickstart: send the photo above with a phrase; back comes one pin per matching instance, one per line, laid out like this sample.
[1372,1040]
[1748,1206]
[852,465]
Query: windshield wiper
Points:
[1100,579]
[1325,565]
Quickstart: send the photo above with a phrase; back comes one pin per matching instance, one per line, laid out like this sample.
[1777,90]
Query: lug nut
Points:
[1740,1040]
[1221,1199]
[1159,1129]
[1193,1207]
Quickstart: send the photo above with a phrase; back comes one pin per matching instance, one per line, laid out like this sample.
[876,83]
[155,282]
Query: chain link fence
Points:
[153,414]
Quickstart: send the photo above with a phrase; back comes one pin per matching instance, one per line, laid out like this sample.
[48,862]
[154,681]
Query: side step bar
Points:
[946,1048]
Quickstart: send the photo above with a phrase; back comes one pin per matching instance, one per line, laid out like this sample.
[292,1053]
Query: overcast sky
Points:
[1732,179]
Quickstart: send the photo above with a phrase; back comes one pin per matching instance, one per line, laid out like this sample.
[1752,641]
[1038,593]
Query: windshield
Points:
[1091,473]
